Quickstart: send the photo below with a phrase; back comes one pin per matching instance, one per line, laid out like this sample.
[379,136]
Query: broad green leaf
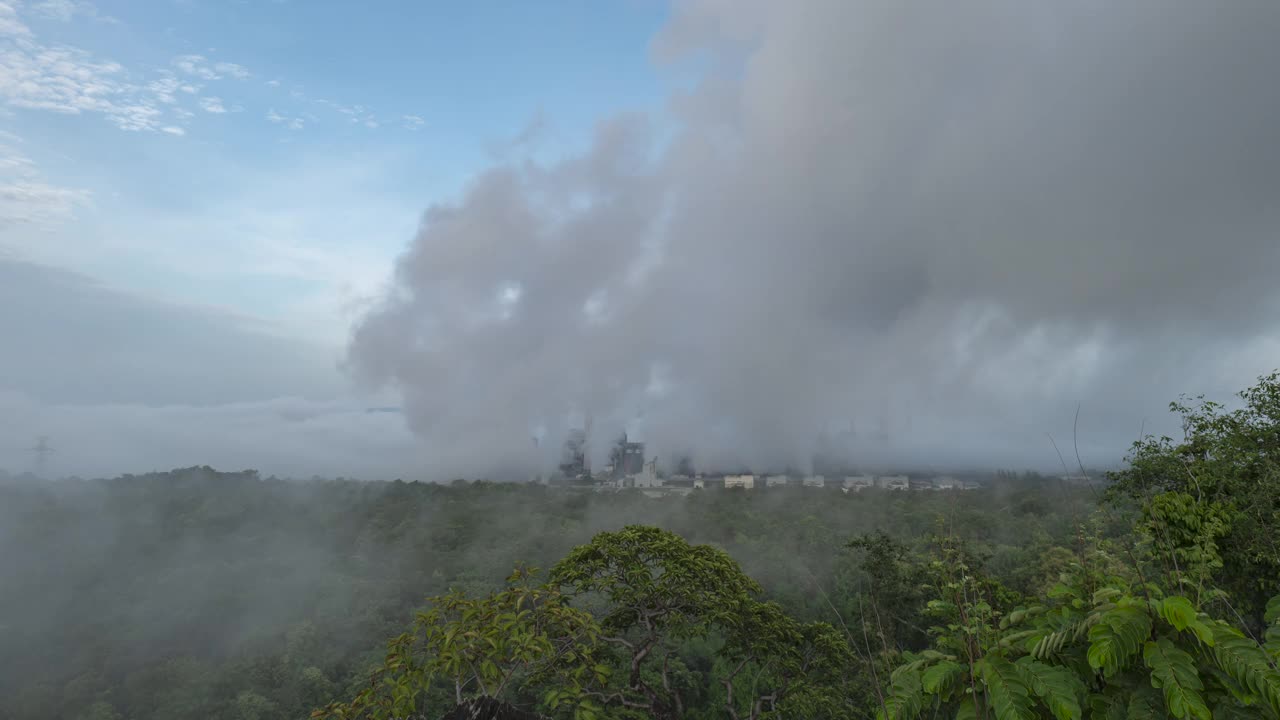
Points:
[942,677]
[1106,706]
[1174,672]
[1009,695]
[1246,663]
[905,699]
[1117,638]
[1272,614]
[1144,704]
[1057,687]
[1178,611]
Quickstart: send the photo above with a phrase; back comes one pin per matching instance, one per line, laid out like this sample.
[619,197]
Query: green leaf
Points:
[1052,643]
[967,710]
[1107,706]
[1174,671]
[1177,610]
[1202,631]
[1271,641]
[1057,687]
[1272,613]
[905,699]
[1117,638]
[941,678]
[1010,697]
[1144,704]
[1246,663]
[1106,594]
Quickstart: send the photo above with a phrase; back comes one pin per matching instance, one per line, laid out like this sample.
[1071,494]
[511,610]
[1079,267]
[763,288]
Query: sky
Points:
[918,233]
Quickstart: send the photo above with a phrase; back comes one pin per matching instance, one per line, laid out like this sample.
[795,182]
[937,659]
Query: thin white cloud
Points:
[232,70]
[10,24]
[200,66]
[291,123]
[64,80]
[136,116]
[173,130]
[68,80]
[166,87]
[412,122]
[273,83]
[194,65]
[26,198]
[358,114]
[68,10]
[212,105]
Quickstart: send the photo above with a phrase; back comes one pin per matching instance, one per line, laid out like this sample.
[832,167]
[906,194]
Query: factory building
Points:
[894,482]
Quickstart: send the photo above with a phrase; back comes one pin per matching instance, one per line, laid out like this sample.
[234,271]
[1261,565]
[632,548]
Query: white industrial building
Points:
[859,482]
[747,482]
[894,482]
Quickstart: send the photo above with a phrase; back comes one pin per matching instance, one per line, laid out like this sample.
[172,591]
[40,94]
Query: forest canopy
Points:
[224,595]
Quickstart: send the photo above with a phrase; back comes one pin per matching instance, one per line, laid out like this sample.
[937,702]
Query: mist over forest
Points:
[660,360]
[198,593]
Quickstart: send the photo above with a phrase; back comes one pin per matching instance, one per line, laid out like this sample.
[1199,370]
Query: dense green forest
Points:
[198,594]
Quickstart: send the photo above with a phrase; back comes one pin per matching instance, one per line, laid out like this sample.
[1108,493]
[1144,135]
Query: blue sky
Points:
[957,222]
[197,197]
[273,157]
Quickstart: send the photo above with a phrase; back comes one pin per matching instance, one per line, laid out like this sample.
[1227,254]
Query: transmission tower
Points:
[42,451]
[586,446]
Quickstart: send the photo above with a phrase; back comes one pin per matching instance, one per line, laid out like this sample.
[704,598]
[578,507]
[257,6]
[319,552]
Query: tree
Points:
[1216,492]
[1121,652]
[657,591]
[1134,639]
[795,669]
[521,636]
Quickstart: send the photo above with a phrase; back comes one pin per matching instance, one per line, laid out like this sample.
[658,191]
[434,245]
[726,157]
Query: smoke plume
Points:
[930,228]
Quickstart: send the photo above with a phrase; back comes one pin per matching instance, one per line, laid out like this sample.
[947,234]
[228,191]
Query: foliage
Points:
[1134,639]
[227,596]
[1212,500]
[525,634]
[659,591]
[1058,658]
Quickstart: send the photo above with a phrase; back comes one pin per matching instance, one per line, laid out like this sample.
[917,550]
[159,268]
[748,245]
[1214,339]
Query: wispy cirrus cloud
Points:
[26,197]
[205,69]
[67,10]
[212,105]
[71,81]
[11,26]
[167,87]
[65,79]
[295,123]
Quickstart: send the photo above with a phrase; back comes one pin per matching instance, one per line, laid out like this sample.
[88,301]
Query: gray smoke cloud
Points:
[930,228]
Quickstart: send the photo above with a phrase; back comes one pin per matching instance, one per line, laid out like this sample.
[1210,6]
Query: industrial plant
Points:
[628,467]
